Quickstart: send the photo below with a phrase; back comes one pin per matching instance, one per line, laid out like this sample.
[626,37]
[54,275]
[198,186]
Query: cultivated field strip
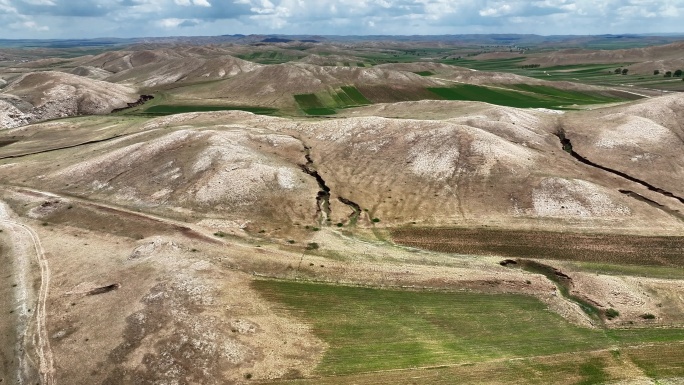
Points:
[603,248]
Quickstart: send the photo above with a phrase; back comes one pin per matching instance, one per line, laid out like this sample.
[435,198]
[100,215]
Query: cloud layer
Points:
[136,18]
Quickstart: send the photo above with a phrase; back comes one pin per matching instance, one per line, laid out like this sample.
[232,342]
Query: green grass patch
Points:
[369,330]
[355,95]
[574,97]
[313,104]
[168,109]
[319,111]
[522,96]
[308,101]
[487,65]
[589,368]
[373,329]
[497,96]
[272,57]
[424,73]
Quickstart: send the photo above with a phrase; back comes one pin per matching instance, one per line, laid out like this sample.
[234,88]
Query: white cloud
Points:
[170,23]
[31,25]
[40,2]
[500,10]
[207,17]
[185,3]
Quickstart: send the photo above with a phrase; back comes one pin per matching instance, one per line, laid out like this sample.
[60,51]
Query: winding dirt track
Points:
[41,339]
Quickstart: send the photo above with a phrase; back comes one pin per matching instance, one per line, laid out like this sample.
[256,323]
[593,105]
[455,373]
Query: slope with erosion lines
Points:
[578,56]
[47,95]
[445,173]
[642,139]
[235,172]
[490,165]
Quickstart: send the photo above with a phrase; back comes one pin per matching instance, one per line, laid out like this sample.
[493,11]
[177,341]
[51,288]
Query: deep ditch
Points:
[567,146]
[142,100]
[562,281]
[323,209]
[323,197]
[354,217]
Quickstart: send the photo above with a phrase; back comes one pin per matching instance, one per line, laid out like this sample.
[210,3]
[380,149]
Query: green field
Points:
[312,105]
[167,109]
[369,330]
[325,104]
[273,57]
[487,65]
[530,97]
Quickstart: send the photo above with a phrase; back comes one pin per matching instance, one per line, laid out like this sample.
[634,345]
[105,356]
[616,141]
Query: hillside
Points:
[40,96]
[579,56]
[272,211]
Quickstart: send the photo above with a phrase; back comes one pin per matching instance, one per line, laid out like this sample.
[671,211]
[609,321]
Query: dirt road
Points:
[32,320]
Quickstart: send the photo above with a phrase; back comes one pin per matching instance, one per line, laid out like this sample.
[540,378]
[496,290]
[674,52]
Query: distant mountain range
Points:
[561,41]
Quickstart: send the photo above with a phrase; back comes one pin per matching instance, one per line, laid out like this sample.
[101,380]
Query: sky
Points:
[57,19]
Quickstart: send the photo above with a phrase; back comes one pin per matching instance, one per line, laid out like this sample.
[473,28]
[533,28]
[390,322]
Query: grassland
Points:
[325,104]
[530,97]
[273,57]
[595,74]
[167,109]
[487,65]
[375,331]
[597,248]
[312,105]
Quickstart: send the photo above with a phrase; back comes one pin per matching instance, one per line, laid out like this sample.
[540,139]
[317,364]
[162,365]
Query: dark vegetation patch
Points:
[392,94]
[312,105]
[603,248]
[486,65]
[576,97]
[346,96]
[167,109]
[424,73]
[355,95]
[532,97]
[273,57]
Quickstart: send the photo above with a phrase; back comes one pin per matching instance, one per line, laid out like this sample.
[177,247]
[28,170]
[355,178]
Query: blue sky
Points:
[138,18]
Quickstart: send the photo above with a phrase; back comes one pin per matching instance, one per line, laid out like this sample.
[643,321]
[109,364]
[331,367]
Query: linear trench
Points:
[567,146]
[323,208]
